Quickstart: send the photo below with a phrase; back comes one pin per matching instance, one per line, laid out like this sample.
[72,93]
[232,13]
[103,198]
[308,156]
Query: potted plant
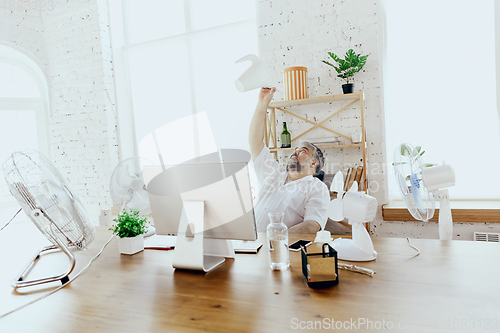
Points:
[130,228]
[347,67]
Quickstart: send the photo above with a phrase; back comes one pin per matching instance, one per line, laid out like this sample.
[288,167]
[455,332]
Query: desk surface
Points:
[452,285]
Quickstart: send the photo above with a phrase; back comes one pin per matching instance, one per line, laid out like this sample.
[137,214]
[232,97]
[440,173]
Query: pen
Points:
[159,248]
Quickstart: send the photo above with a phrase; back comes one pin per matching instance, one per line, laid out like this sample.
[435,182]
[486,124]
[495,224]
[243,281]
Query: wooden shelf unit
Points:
[270,137]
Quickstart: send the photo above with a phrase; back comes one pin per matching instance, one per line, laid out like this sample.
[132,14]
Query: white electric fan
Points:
[128,189]
[46,198]
[420,184]
[358,208]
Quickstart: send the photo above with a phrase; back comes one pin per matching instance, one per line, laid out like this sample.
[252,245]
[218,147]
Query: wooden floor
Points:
[450,286]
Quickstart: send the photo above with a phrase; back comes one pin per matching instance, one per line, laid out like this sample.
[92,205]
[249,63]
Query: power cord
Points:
[61,286]
[405,254]
[413,247]
[20,209]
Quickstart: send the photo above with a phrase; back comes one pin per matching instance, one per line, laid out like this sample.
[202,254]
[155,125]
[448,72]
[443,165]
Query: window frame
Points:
[40,105]
[463,210]
[121,45]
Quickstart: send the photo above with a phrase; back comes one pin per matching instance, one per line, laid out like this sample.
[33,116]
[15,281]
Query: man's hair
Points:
[317,155]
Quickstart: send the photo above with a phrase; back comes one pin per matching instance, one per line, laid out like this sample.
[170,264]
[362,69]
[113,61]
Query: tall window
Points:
[178,58]
[440,90]
[23,104]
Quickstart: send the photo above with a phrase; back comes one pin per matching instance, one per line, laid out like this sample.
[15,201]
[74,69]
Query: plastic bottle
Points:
[277,237]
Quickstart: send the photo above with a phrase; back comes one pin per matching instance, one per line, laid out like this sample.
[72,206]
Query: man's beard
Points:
[294,165]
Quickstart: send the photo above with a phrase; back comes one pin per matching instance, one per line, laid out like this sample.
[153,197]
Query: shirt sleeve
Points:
[265,166]
[317,203]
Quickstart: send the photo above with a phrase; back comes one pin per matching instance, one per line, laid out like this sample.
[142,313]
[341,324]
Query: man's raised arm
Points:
[258,123]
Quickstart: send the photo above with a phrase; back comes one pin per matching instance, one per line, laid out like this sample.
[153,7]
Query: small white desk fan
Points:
[128,189]
[127,186]
[46,198]
[420,184]
[358,208]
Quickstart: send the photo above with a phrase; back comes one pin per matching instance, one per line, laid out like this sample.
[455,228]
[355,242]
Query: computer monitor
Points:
[206,202]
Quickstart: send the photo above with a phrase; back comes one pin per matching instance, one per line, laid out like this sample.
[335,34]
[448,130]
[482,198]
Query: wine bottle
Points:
[286,142]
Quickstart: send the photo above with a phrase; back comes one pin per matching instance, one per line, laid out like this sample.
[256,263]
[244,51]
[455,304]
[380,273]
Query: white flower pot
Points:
[131,245]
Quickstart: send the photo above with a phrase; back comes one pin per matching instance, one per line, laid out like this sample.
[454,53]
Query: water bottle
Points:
[277,237]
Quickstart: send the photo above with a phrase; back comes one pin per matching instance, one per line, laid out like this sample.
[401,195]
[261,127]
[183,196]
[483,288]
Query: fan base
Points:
[346,250]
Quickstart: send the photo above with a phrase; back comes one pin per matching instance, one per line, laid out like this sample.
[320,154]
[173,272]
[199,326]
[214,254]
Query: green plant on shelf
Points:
[350,65]
[129,224]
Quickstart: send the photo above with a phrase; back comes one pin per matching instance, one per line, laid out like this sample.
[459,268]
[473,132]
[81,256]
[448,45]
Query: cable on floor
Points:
[20,209]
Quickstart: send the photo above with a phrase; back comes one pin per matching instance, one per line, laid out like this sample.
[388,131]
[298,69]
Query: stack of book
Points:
[325,141]
[353,175]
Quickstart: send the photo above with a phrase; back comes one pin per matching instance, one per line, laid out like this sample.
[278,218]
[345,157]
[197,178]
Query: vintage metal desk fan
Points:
[358,208]
[46,198]
[420,184]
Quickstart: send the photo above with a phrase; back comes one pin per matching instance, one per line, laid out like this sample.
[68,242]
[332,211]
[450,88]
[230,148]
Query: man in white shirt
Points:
[293,189]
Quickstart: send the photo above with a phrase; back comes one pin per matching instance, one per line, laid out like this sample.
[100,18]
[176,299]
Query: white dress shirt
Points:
[301,200]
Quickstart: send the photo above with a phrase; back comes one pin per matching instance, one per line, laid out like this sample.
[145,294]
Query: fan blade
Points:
[337,182]
[57,187]
[124,176]
[139,201]
[138,185]
[82,219]
[123,194]
[120,195]
[402,184]
[335,210]
[417,200]
[354,187]
[70,208]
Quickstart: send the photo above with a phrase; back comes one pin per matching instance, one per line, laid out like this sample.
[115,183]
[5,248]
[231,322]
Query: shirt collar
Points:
[308,178]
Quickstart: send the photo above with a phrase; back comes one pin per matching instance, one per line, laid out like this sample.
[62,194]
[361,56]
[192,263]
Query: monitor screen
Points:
[223,186]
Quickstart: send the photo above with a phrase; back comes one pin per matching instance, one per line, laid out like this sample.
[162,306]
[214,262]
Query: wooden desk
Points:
[451,285]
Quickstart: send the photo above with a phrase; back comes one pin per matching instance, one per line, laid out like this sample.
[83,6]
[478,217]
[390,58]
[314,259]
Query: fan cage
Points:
[37,185]
[121,195]
[408,164]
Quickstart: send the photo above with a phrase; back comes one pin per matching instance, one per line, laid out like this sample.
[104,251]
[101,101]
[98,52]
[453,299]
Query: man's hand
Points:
[306,227]
[258,124]
[266,95]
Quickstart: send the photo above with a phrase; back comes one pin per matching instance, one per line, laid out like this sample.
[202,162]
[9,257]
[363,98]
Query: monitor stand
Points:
[195,252]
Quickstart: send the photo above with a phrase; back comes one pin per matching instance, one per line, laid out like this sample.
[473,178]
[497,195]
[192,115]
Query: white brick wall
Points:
[24,31]
[83,117]
[71,44]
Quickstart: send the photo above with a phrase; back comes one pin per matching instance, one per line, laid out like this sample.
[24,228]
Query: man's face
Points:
[300,159]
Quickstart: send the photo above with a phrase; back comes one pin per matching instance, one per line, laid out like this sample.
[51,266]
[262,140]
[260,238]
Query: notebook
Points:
[240,246]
